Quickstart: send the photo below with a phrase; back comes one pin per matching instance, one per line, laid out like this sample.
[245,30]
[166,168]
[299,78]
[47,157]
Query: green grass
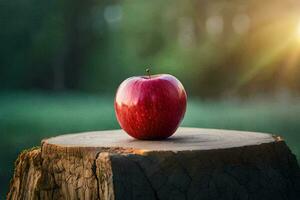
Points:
[27,118]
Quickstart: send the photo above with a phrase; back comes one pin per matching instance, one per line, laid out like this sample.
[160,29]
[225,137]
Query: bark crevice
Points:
[147,179]
[94,169]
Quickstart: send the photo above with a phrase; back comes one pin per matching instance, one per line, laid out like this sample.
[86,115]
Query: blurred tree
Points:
[217,48]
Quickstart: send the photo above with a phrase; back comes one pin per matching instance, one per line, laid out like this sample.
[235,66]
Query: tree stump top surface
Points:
[185,139]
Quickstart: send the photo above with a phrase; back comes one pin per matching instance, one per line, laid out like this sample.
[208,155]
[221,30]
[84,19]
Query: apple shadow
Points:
[178,140]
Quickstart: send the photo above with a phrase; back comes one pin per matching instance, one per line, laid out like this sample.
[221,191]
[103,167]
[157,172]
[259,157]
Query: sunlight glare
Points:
[298,32]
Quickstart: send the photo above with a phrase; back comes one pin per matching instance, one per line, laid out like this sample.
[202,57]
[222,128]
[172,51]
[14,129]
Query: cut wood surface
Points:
[193,164]
[184,139]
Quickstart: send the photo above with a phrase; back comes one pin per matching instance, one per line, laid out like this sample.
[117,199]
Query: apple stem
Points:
[148,72]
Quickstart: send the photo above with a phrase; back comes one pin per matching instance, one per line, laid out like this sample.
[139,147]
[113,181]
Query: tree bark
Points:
[193,164]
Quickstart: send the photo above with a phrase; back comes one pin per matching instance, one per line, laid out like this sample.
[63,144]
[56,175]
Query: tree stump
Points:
[192,164]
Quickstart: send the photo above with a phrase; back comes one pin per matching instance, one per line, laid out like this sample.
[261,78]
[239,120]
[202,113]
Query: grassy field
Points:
[27,118]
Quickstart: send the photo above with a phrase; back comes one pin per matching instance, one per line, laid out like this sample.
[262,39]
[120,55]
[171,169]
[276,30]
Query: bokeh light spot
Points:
[214,25]
[241,23]
[113,14]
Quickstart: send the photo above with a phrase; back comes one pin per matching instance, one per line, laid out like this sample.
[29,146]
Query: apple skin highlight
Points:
[150,107]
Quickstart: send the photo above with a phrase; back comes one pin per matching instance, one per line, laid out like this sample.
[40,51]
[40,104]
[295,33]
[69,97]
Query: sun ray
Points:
[263,62]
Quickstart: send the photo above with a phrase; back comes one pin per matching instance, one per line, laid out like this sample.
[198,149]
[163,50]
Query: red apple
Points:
[150,107]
